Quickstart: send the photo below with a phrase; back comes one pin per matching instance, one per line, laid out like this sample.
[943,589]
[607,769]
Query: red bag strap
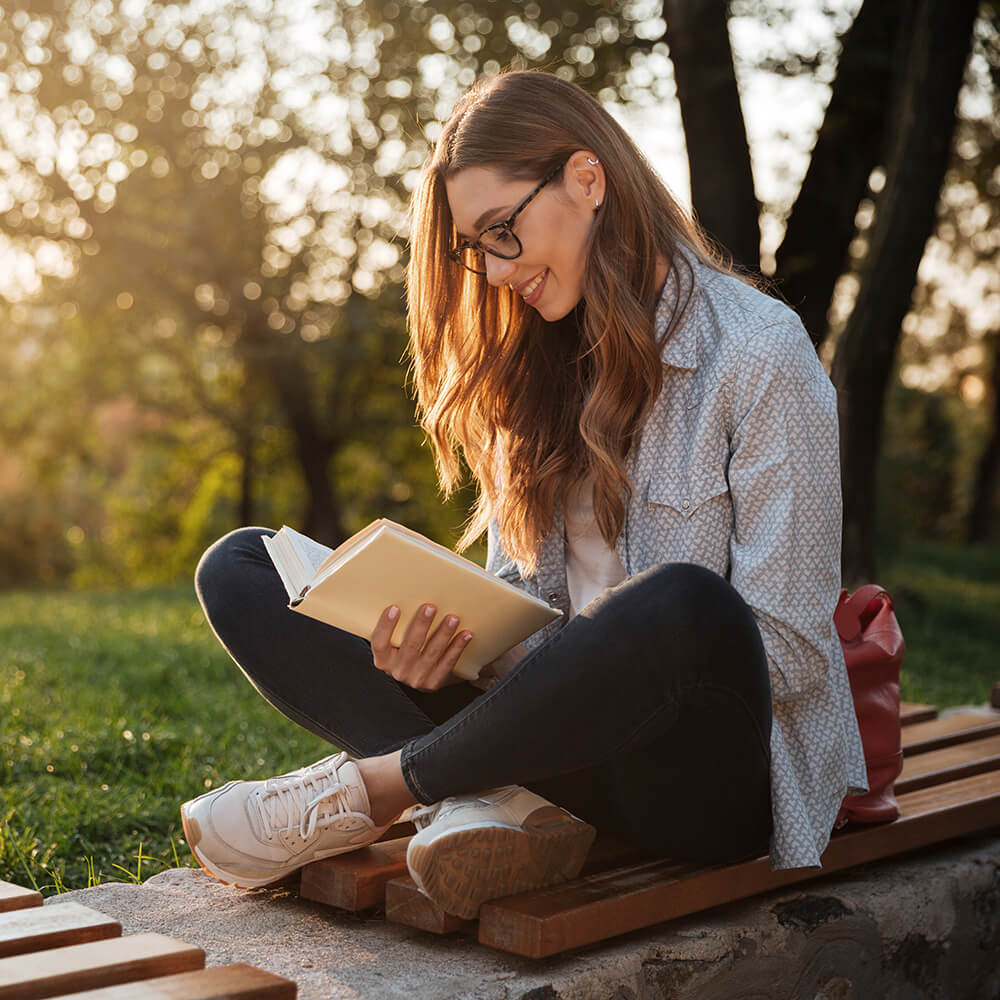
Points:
[855,612]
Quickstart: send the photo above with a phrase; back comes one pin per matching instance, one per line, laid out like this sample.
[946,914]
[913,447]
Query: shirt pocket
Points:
[688,494]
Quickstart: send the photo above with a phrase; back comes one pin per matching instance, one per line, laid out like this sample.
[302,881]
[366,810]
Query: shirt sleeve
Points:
[784,479]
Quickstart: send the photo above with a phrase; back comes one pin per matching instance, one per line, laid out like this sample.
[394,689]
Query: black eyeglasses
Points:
[498,239]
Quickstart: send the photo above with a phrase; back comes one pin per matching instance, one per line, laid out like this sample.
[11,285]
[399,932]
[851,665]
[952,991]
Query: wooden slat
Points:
[16,897]
[925,736]
[232,982]
[42,927]
[600,906]
[357,880]
[397,830]
[406,904]
[911,711]
[99,963]
[948,764]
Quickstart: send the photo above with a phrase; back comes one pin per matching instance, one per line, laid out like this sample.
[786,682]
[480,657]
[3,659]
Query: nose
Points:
[498,270]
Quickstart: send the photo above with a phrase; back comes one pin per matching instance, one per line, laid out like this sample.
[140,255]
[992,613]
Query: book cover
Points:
[387,563]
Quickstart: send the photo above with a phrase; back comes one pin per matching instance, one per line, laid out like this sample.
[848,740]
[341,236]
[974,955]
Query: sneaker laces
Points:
[300,797]
[423,816]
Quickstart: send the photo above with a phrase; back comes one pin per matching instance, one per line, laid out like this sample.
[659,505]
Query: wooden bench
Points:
[949,787]
[55,951]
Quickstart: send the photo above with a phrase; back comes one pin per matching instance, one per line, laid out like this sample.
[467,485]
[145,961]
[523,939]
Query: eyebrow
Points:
[480,224]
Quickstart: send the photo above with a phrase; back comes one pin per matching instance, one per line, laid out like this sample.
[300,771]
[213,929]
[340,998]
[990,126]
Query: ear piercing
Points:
[593,163]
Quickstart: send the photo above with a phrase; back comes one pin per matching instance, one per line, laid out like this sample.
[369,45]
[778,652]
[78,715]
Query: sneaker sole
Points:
[463,868]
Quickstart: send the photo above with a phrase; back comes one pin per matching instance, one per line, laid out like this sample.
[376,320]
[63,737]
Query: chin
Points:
[557,310]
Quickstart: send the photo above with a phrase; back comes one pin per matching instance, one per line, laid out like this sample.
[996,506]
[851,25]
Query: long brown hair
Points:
[535,406]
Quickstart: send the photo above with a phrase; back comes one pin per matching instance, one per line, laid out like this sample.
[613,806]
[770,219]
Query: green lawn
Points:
[118,706]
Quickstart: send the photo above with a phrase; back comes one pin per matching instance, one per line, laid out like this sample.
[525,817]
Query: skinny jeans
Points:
[648,714]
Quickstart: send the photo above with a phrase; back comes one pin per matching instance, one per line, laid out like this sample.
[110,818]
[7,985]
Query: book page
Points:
[310,552]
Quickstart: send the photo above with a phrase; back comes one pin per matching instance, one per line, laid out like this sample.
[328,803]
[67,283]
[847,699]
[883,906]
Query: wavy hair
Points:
[533,406]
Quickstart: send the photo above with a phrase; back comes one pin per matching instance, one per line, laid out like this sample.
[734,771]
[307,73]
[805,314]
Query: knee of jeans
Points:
[683,596]
[221,557]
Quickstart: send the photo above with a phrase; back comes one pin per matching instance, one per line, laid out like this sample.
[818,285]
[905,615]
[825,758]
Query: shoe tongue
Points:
[355,795]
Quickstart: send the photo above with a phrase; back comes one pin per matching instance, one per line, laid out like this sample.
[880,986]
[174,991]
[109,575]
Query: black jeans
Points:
[648,714]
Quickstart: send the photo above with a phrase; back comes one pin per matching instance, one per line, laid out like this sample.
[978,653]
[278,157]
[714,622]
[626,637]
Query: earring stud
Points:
[597,203]
[593,163]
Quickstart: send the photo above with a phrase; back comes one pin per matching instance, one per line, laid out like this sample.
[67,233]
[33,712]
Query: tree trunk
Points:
[905,215]
[850,144]
[722,190]
[314,449]
[984,490]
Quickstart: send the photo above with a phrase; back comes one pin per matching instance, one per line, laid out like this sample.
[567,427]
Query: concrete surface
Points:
[927,926]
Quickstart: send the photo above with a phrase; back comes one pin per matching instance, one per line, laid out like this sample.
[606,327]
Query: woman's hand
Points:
[420,661]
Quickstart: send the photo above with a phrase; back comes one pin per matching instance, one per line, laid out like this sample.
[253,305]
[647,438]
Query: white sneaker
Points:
[472,848]
[252,833]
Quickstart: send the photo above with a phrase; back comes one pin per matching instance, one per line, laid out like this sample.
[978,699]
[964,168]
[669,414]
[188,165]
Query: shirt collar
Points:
[681,286]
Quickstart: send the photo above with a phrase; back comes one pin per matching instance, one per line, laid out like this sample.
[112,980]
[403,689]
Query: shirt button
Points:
[686,504]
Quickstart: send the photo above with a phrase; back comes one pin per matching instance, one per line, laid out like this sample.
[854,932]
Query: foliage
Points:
[204,204]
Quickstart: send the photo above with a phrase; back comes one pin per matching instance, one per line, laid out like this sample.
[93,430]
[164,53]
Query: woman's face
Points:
[554,229]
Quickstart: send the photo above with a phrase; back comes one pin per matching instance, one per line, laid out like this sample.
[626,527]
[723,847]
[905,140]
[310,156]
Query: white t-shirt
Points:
[591,564]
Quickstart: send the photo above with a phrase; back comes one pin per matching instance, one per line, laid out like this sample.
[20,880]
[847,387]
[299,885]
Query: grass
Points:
[118,706]
[947,600]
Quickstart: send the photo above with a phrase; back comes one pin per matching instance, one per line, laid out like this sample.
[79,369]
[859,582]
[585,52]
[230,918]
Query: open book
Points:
[384,564]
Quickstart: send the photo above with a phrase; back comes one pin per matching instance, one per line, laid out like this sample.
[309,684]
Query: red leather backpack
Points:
[873,649]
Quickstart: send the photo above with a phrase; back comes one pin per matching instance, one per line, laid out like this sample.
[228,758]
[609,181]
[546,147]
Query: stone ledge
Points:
[926,926]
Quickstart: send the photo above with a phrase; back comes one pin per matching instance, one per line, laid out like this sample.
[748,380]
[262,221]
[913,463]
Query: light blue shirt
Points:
[737,469]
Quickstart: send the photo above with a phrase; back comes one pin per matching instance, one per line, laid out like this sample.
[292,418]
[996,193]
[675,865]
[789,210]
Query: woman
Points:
[655,447]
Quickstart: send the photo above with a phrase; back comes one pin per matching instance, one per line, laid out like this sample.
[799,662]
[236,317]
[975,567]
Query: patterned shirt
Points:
[737,469]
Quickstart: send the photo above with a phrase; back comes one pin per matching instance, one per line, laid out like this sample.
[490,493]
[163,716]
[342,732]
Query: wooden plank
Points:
[97,963]
[600,906]
[911,711]
[357,880]
[42,927]
[16,897]
[922,737]
[406,904]
[948,764]
[397,830]
[232,982]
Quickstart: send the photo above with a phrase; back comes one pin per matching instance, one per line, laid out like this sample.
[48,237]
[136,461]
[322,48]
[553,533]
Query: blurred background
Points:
[203,239]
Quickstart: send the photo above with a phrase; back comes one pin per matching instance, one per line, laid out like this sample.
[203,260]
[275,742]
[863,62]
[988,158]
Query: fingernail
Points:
[466,637]
[393,613]
[429,610]
[451,621]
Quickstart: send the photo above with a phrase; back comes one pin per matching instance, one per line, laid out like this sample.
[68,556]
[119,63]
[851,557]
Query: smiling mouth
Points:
[528,288]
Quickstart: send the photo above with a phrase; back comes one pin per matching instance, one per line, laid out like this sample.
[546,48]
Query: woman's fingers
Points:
[446,662]
[381,640]
[420,660]
[438,642]
[416,633]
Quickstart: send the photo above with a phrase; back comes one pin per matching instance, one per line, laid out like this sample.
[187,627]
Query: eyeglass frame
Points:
[455,252]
